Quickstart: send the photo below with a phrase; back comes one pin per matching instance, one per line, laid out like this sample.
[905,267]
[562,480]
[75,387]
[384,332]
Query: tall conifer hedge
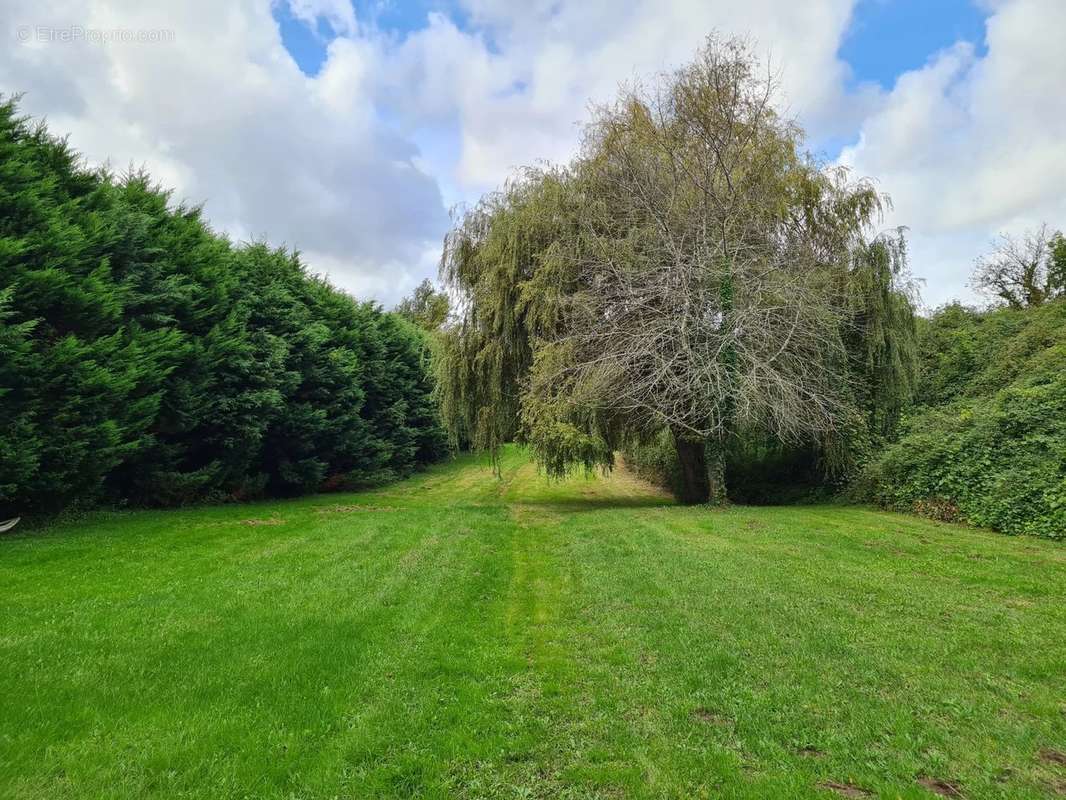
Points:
[146,359]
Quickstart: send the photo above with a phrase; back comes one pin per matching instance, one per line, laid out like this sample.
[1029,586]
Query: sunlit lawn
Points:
[462,636]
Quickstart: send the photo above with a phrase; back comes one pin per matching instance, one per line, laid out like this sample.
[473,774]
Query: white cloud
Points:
[971,145]
[223,114]
[519,85]
[356,165]
[329,164]
[339,14]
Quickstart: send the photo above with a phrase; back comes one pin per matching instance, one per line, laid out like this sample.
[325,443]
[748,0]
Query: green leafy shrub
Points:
[989,446]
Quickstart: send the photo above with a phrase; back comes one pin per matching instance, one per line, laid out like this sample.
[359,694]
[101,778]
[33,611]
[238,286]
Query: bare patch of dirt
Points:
[942,788]
[885,548]
[1057,786]
[710,717]
[939,509]
[810,752]
[353,509]
[1051,756]
[845,789]
[267,521]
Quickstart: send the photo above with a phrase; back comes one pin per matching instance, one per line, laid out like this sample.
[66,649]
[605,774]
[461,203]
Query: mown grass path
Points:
[456,635]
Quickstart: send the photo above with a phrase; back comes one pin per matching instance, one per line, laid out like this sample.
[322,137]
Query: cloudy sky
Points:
[349,129]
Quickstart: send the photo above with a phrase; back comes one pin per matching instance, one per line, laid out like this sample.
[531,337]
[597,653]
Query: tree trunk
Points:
[695,485]
[716,474]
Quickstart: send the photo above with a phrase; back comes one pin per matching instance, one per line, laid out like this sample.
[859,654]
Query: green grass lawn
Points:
[456,635]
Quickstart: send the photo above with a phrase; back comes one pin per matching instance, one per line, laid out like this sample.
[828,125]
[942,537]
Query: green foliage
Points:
[987,444]
[145,359]
[654,459]
[882,333]
[1057,266]
[762,471]
[758,469]
[500,259]
[427,307]
[965,353]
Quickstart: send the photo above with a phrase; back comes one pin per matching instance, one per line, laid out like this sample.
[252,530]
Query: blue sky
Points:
[394,17]
[888,37]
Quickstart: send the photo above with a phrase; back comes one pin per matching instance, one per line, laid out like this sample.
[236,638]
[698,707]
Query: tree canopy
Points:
[1025,271]
[427,307]
[693,270]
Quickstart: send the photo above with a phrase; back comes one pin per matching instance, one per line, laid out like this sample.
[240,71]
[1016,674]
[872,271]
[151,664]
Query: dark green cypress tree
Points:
[146,359]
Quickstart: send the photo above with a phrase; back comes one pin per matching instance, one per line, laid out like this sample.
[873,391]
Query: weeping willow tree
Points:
[693,269]
[494,262]
[882,333]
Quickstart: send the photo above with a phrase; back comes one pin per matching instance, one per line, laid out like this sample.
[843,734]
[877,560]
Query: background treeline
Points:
[146,359]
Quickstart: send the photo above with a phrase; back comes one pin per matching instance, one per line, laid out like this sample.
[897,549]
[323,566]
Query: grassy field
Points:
[462,636]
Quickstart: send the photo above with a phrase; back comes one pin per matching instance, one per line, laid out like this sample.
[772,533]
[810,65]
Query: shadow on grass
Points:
[578,505]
